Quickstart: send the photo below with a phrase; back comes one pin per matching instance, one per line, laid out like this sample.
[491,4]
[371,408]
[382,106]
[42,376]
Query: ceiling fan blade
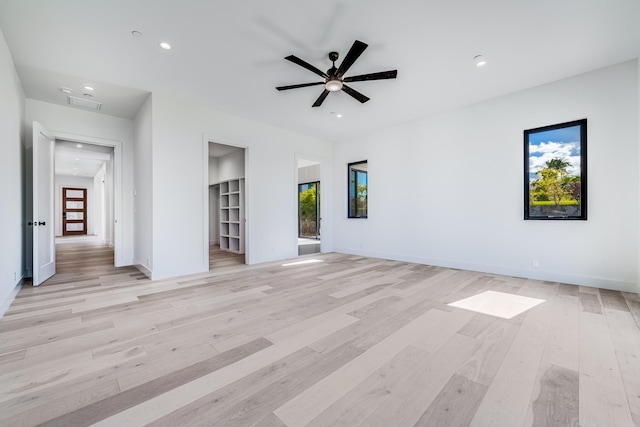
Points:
[306,65]
[357,95]
[353,54]
[300,85]
[321,98]
[373,76]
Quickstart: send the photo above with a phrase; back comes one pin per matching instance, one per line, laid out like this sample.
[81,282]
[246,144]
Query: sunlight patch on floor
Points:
[306,261]
[497,304]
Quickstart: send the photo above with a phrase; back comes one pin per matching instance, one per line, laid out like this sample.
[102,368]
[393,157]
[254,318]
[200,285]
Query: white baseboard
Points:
[144,270]
[551,276]
[9,299]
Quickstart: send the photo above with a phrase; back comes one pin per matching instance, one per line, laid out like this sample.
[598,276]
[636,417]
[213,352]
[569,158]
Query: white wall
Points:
[72,121]
[214,216]
[181,131]
[447,190]
[231,166]
[109,189]
[100,204]
[143,191]
[12,179]
[76,182]
[226,167]
[214,171]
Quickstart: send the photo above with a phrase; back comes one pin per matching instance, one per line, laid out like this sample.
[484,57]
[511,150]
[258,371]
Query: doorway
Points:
[44,199]
[227,206]
[309,217]
[87,207]
[84,201]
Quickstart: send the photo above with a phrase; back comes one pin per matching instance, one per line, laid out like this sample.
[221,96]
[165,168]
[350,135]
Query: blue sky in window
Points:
[558,143]
[362,178]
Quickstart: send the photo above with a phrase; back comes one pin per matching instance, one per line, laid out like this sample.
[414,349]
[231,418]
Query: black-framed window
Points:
[358,186]
[309,210]
[555,172]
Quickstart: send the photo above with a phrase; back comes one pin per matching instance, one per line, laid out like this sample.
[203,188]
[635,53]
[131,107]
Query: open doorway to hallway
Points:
[226,206]
[309,219]
[84,196]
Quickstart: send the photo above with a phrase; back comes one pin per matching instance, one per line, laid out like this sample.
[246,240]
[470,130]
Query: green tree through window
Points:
[358,190]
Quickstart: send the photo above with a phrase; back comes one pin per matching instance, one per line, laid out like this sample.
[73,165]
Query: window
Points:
[555,165]
[309,210]
[358,189]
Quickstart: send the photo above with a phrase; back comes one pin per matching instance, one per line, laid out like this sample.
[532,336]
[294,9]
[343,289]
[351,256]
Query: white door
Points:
[44,249]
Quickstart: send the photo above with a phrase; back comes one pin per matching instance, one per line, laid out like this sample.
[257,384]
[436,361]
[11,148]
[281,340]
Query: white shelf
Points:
[234,230]
[232,215]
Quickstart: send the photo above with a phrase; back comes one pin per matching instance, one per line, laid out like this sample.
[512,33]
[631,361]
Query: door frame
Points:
[118,196]
[325,205]
[217,139]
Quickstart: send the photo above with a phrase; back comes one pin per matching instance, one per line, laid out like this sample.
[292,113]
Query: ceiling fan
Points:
[334,80]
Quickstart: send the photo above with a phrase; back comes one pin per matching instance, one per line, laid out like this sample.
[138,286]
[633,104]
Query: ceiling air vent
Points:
[84,103]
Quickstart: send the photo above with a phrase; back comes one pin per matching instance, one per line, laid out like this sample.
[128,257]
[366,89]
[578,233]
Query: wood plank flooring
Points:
[220,259]
[322,340]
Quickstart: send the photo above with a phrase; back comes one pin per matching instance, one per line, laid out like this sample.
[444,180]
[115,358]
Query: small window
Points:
[555,165]
[358,189]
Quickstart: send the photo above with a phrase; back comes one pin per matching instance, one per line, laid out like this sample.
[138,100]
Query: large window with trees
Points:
[555,164]
[358,183]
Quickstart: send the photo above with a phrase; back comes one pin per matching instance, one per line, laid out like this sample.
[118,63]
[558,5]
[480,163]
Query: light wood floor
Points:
[220,259]
[348,341]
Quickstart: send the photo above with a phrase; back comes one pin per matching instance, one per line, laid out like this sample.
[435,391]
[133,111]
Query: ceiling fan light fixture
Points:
[333,85]
[479,61]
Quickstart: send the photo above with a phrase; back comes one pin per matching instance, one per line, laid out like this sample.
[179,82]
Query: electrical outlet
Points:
[535,263]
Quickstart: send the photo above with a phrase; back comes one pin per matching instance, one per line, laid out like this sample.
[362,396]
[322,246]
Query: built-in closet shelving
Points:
[232,215]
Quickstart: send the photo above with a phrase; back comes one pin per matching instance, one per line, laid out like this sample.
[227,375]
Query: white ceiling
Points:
[221,150]
[81,160]
[229,54]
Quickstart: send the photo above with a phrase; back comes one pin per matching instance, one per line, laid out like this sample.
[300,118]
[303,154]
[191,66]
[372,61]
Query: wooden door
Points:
[74,211]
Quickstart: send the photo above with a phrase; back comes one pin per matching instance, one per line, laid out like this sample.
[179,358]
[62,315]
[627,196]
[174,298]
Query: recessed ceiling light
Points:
[76,159]
[66,90]
[165,45]
[339,115]
[137,34]
[479,60]
[79,145]
[88,88]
